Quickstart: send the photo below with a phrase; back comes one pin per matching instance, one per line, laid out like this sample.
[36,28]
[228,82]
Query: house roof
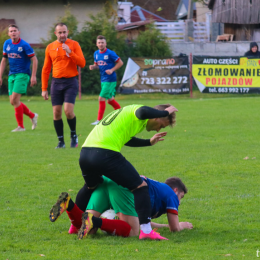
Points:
[140,14]
[235,12]
[163,8]
[129,26]
[182,9]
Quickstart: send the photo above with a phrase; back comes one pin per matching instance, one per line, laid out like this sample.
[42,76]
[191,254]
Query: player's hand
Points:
[33,81]
[157,138]
[45,95]
[186,225]
[171,109]
[66,48]
[109,72]
[92,67]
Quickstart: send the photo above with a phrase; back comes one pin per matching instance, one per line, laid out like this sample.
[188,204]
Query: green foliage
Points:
[4,88]
[151,43]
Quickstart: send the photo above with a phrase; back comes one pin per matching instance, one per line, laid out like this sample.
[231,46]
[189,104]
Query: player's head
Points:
[101,42]
[13,32]
[253,47]
[61,31]
[177,186]
[156,124]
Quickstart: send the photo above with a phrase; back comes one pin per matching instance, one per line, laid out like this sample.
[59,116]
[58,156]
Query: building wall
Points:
[202,9]
[211,48]
[36,18]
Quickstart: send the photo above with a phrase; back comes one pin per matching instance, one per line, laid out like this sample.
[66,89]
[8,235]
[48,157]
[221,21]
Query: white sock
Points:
[146,228]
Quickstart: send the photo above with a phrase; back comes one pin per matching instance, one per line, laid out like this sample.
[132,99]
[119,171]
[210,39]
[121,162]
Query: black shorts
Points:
[95,162]
[64,90]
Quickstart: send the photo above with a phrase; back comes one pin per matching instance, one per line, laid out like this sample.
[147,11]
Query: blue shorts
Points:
[64,90]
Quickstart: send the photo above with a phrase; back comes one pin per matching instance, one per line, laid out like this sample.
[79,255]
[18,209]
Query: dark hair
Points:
[175,182]
[60,24]
[171,117]
[101,37]
[13,25]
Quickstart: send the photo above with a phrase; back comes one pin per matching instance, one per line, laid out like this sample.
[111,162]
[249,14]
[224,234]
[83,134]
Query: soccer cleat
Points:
[95,123]
[60,145]
[18,129]
[152,235]
[73,230]
[60,206]
[34,121]
[86,226]
[74,141]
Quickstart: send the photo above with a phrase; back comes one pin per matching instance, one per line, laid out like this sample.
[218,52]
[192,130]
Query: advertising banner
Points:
[150,75]
[226,74]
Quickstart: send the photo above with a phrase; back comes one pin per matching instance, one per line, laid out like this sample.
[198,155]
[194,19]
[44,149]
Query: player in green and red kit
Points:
[19,54]
[107,62]
[100,155]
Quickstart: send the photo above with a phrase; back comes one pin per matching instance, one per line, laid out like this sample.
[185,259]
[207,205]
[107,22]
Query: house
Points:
[131,25]
[162,8]
[130,31]
[182,10]
[240,18]
[140,14]
[35,18]
[124,12]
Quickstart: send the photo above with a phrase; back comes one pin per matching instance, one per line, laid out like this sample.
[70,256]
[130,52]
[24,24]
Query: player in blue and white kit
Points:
[107,62]
[19,54]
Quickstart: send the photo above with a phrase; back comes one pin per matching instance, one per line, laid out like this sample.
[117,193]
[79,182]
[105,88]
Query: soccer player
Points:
[100,154]
[19,54]
[165,198]
[107,62]
[62,56]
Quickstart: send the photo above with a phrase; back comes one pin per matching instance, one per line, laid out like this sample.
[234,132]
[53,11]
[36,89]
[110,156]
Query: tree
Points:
[151,43]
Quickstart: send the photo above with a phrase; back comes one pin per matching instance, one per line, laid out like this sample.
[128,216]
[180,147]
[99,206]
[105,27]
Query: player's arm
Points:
[46,70]
[156,225]
[138,142]
[34,70]
[77,56]
[145,112]
[175,225]
[94,67]
[2,69]
[118,65]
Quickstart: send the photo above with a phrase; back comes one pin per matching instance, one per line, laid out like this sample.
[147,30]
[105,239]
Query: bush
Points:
[4,88]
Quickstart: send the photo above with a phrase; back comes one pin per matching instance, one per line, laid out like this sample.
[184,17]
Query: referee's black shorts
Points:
[95,162]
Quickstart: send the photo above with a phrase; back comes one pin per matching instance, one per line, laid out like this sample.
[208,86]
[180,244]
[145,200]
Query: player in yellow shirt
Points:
[100,155]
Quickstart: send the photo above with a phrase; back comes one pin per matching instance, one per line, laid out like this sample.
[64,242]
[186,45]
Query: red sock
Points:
[27,111]
[114,104]
[116,227]
[19,115]
[75,216]
[101,111]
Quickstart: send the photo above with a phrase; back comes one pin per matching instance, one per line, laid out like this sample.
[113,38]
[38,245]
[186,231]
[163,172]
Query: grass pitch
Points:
[214,149]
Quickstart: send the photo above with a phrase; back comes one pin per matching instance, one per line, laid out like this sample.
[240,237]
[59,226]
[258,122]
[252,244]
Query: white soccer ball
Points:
[109,214]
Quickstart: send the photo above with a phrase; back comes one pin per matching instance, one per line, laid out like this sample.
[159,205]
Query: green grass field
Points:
[206,149]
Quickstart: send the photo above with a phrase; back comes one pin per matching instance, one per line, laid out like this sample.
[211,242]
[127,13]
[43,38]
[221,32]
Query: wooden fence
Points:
[175,31]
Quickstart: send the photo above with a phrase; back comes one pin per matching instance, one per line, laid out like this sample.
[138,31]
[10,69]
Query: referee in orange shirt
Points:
[63,56]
